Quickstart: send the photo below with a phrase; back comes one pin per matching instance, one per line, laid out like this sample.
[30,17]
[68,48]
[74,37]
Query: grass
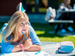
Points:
[42,33]
[0,38]
[1,24]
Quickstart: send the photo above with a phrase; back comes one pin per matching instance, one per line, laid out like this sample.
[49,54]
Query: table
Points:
[53,48]
[71,10]
[63,21]
[60,21]
[24,53]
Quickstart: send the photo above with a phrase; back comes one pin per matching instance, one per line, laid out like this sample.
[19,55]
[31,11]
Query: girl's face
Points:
[68,2]
[22,26]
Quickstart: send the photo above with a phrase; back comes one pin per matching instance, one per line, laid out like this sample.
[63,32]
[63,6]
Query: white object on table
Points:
[40,53]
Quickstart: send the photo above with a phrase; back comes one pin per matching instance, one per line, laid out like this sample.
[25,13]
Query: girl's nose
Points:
[24,26]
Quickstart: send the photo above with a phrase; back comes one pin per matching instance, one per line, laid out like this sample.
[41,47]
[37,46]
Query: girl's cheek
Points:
[27,26]
[19,29]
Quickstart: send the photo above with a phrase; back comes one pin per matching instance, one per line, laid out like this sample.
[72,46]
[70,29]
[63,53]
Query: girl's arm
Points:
[36,45]
[34,48]
[33,36]
[6,47]
[16,48]
[28,46]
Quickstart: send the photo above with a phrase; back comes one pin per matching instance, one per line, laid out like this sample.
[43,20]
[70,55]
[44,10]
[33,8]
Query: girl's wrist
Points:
[22,48]
[26,48]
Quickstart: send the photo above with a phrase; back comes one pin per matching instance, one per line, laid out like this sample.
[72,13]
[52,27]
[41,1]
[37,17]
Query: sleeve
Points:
[33,36]
[60,9]
[71,7]
[6,47]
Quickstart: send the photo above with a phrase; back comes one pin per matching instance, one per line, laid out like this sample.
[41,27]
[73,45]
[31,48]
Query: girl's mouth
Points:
[24,30]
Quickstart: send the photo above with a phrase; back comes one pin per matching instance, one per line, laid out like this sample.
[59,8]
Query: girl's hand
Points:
[27,44]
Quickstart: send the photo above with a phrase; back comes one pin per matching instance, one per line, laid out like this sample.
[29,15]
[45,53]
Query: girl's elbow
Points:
[4,50]
[39,49]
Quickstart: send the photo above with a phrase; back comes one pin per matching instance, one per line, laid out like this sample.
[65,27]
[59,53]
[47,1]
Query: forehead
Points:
[66,0]
[23,20]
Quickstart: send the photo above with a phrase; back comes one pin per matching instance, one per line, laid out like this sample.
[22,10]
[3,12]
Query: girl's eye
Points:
[21,23]
[27,23]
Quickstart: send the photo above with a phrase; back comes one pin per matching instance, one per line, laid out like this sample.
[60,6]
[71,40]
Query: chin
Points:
[24,31]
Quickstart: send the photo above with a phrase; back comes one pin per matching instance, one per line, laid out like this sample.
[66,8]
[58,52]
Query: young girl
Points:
[13,38]
[65,6]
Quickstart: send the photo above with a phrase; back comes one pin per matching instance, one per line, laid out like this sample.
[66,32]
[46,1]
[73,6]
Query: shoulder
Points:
[30,27]
[9,37]
[62,4]
[3,32]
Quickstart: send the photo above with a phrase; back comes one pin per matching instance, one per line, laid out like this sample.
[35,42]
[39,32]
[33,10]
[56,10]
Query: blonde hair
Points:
[12,27]
[66,1]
